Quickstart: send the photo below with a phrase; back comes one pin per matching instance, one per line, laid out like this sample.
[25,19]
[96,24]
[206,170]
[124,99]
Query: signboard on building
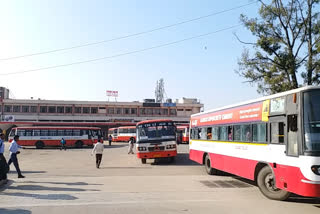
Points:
[112,93]
[169,104]
[8,118]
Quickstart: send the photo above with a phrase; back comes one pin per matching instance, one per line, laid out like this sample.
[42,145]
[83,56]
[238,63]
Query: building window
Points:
[51,109]
[43,109]
[16,108]
[142,111]
[149,111]
[7,108]
[86,110]
[164,111]
[126,111]
[94,110]
[133,111]
[77,110]
[156,111]
[68,109]
[25,108]
[110,110]
[60,109]
[33,109]
[118,110]
[173,112]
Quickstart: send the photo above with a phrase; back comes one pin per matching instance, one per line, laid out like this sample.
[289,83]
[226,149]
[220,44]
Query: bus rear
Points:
[156,139]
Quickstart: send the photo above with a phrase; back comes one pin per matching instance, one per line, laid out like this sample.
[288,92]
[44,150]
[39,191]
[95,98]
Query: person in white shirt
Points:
[3,161]
[131,146]
[14,150]
[98,150]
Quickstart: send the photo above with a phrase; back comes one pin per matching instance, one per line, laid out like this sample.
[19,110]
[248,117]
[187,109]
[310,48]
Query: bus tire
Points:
[266,184]
[39,144]
[78,144]
[207,165]
[143,160]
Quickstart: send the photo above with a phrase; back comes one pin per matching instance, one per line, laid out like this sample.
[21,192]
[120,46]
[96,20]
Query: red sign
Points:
[247,113]
[112,93]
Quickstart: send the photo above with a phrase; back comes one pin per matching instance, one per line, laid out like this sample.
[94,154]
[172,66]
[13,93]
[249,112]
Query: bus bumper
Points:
[151,155]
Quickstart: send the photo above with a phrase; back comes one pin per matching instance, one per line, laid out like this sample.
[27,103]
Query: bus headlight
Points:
[142,148]
[316,169]
[172,146]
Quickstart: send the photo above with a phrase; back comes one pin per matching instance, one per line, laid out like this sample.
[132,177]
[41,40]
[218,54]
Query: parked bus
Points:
[51,136]
[274,140]
[123,133]
[183,134]
[156,139]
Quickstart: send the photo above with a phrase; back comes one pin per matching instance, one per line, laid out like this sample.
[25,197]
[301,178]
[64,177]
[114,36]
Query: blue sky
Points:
[202,68]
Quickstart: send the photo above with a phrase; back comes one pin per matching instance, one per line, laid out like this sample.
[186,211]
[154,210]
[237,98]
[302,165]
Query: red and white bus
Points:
[51,136]
[274,140]
[156,139]
[123,133]
[183,133]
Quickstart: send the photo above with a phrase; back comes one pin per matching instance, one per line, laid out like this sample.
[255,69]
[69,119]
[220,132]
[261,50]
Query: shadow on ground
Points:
[182,159]
[45,188]
[39,196]
[63,183]
[14,211]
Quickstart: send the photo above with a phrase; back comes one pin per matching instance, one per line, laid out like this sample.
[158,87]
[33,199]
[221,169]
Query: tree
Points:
[288,45]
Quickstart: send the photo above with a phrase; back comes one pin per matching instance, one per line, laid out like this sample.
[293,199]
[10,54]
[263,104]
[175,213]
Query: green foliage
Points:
[287,44]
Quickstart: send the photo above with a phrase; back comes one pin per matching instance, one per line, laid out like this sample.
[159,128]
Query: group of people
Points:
[14,151]
[13,158]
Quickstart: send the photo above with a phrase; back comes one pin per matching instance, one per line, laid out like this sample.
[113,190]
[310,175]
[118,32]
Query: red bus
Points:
[123,133]
[51,136]
[274,140]
[156,139]
[183,133]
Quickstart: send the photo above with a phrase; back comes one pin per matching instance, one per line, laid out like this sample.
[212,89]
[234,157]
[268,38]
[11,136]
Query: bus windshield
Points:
[156,131]
[311,116]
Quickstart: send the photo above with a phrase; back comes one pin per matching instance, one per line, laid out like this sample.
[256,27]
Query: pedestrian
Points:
[98,150]
[14,151]
[110,139]
[63,144]
[131,145]
[4,168]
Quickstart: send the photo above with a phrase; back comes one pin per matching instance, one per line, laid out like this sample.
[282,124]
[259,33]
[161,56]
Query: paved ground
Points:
[68,182]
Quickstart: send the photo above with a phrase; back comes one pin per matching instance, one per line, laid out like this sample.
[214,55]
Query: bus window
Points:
[230,133]
[215,133]
[28,132]
[209,133]
[43,132]
[52,132]
[223,133]
[76,132]
[21,132]
[68,132]
[203,134]
[237,133]
[36,132]
[60,132]
[246,134]
[259,133]
[12,132]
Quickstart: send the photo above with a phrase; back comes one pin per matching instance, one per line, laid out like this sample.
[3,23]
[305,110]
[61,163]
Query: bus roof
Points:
[259,99]
[126,127]
[55,127]
[153,121]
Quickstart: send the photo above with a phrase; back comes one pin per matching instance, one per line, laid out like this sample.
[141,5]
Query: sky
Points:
[202,68]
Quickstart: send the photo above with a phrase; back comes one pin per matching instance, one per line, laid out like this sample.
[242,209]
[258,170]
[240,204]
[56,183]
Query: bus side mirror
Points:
[292,123]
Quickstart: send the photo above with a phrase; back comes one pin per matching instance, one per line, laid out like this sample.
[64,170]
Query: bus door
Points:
[277,131]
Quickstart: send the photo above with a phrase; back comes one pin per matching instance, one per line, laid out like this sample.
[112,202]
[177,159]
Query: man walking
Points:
[14,150]
[63,144]
[3,162]
[131,146]
[98,150]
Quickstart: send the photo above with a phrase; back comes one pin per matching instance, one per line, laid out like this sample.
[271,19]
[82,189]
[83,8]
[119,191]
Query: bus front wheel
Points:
[143,160]
[39,144]
[267,186]
[207,164]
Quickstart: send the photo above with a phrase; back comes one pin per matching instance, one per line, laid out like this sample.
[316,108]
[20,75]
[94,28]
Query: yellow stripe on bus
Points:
[230,142]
